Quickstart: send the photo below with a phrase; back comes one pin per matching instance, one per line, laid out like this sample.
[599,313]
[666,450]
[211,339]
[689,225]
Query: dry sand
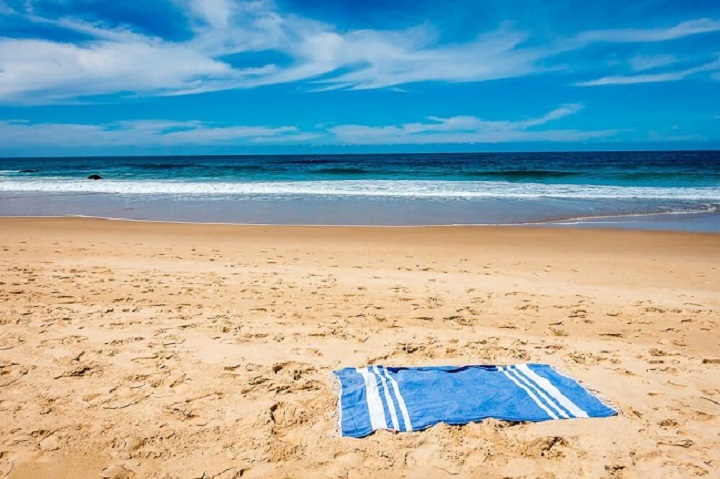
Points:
[195,351]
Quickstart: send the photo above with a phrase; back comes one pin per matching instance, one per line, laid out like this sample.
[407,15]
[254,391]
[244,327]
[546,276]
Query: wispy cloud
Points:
[645,35]
[118,59]
[468,129]
[653,77]
[142,133]
[643,63]
[389,62]
[649,62]
[43,70]
[167,133]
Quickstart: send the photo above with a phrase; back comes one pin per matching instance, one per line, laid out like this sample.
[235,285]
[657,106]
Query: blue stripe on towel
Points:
[407,399]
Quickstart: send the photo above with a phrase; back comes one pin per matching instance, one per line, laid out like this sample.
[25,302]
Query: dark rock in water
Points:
[94,177]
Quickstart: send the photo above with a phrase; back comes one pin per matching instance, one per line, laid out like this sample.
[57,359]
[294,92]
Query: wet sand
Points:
[197,351]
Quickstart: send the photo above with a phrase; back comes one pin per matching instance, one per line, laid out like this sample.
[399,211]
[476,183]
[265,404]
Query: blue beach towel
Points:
[412,399]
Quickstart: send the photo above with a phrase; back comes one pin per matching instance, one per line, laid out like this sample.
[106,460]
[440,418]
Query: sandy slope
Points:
[153,350]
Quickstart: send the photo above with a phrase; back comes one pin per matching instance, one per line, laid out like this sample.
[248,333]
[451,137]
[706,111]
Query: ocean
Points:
[642,190]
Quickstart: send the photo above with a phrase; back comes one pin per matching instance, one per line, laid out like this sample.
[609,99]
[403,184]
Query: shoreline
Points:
[655,214]
[599,222]
[495,228]
[142,349]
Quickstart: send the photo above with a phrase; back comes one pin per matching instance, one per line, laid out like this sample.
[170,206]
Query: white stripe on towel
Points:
[538,390]
[553,391]
[400,400]
[528,391]
[388,399]
[375,407]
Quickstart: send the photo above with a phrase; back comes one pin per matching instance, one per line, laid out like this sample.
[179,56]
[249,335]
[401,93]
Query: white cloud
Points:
[56,70]
[642,63]
[166,133]
[216,13]
[223,27]
[648,62]
[636,35]
[629,80]
[141,133]
[120,60]
[392,59]
[653,78]
[467,129]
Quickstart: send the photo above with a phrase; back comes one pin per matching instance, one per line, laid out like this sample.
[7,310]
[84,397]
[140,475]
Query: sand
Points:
[155,350]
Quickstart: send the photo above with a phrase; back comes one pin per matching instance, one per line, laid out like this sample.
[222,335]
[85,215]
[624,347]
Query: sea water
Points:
[647,190]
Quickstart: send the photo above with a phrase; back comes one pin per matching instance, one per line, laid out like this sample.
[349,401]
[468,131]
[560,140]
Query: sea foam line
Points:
[364,188]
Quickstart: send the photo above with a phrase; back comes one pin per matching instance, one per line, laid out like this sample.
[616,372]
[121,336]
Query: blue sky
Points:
[96,77]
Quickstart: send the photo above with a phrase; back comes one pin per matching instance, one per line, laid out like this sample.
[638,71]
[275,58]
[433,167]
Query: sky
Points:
[168,77]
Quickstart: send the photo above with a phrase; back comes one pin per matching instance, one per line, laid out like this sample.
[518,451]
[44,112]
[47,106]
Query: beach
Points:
[661,190]
[161,350]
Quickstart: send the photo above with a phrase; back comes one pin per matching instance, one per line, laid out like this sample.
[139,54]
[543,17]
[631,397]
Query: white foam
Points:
[362,188]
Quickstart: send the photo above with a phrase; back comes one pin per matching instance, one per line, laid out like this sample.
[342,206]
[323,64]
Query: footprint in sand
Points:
[283,378]
[117,472]
[121,397]
[10,342]
[11,373]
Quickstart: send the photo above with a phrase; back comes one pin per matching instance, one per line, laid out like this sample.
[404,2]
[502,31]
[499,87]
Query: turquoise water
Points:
[622,189]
